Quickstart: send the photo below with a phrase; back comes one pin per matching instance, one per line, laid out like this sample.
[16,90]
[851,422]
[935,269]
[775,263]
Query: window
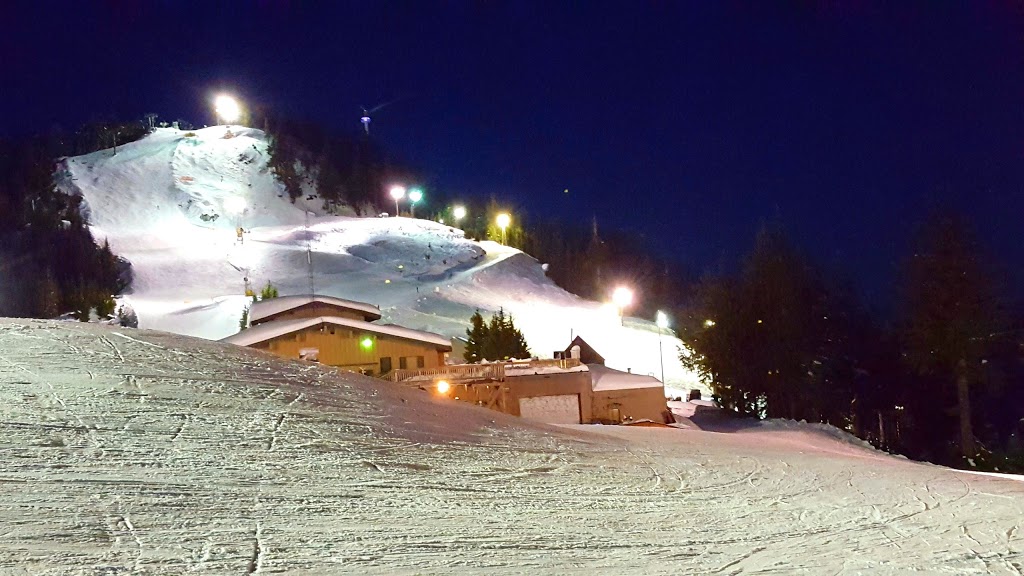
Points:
[402,363]
[419,361]
[385,365]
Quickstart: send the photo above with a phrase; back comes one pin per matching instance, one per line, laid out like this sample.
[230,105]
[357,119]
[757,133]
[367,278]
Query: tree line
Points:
[49,261]
[342,169]
[943,381]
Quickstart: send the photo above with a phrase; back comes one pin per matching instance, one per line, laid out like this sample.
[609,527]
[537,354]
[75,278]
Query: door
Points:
[564,409]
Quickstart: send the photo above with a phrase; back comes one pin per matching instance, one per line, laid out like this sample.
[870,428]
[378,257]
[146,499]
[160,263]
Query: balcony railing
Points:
[493,371]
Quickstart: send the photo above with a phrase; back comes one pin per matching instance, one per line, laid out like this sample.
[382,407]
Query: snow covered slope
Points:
[132,451]
[165,202]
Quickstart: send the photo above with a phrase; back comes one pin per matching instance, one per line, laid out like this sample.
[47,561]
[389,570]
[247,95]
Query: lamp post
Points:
[503,221]
[397,192]
[662,321]
[415,195]
[622,297]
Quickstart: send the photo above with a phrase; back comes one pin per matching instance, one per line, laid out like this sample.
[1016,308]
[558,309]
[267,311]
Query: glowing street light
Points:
[503,221]
[459,212]
[443,387]
[661,319]
[622,297]
[227,108]
[397,192]
[415,195]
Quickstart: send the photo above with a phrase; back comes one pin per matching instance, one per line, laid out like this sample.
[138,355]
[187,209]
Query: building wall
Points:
[314,310]
[551,385]
[635,404]
[342,347]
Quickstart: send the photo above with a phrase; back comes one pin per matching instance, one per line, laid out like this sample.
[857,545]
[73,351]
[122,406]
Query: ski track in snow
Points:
[185,456]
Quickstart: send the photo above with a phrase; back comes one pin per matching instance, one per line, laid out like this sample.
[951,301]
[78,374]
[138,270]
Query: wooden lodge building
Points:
[340,333]
[343,333]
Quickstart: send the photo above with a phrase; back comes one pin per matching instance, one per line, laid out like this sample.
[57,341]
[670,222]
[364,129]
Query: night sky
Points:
[693,123]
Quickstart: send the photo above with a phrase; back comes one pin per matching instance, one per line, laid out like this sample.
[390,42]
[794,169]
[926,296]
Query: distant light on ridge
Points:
[227,108]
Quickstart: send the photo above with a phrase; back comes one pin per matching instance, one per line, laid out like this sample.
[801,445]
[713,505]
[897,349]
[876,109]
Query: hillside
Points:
[133,451]
[164,203]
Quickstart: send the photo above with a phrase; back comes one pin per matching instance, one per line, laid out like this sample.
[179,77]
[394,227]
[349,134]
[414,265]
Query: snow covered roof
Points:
[275,328]
[605,378]
[271,306]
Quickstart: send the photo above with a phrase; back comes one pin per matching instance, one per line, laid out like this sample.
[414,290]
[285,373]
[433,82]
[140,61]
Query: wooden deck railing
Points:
[494,371]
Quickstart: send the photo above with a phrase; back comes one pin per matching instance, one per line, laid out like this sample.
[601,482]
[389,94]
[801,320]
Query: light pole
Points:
[503,221]
[227,108]
[415,195]
[662,321]
[397,192]
[622,297]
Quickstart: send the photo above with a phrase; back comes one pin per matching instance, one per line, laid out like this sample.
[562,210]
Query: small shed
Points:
[622,396]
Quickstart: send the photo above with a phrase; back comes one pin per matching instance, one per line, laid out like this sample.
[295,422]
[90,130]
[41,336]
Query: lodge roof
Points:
[272,306]
[275,328]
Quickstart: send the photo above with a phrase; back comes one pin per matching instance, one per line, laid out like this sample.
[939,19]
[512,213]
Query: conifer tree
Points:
[476,336]
[949,314]
[497,340]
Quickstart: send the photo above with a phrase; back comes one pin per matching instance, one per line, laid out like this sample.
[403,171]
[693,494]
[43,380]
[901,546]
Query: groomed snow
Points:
[131,451]
[163,203]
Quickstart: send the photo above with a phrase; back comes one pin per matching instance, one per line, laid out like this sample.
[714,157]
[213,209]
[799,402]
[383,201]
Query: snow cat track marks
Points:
[181,428]
[135,536]
[256,562]
[273,433]
[53,393]
[739,560]
[113,347]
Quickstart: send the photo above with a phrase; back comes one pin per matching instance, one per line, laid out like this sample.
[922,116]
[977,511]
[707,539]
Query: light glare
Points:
[234,204]
[503,220]
[227,108]
[622,297]
[397,192]
[661,319]
[443,387]
[459,212]
[415,195]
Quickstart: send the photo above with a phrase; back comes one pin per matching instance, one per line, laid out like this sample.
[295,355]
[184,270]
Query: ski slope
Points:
[165,203]
[140,452]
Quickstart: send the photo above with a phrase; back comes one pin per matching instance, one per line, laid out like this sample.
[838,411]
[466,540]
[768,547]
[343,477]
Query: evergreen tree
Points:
[476,335]
[47,304]
[497,340]
[772,342]
[268,291]
[949,313]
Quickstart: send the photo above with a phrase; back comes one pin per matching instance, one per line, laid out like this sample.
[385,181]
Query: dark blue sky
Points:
[694,122]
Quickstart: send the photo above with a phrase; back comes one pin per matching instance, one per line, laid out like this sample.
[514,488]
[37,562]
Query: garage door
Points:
[551,409]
